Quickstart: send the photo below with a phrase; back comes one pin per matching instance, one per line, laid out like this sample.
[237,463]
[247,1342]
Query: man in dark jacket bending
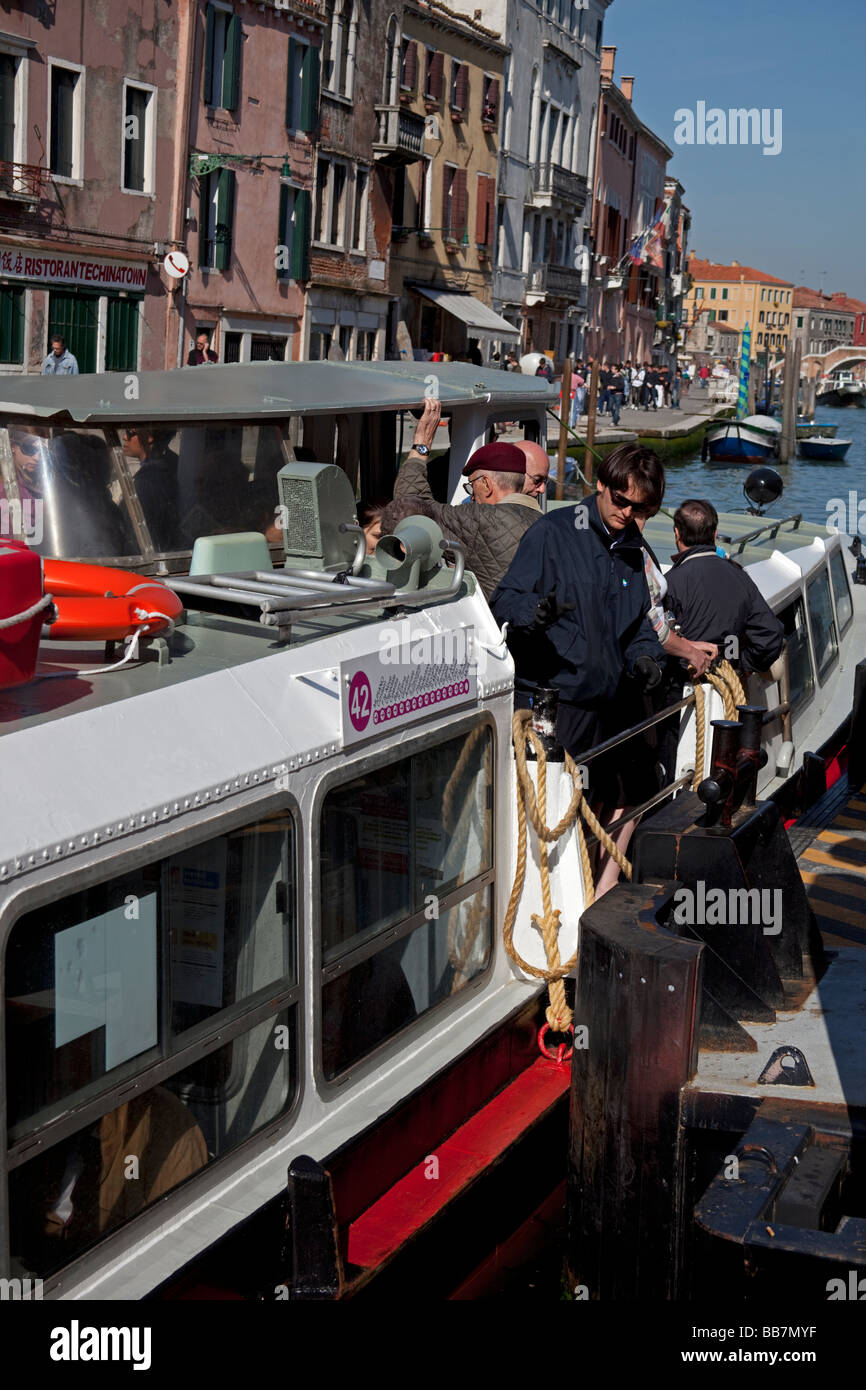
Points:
[490,526]
[575,598]
[714,599]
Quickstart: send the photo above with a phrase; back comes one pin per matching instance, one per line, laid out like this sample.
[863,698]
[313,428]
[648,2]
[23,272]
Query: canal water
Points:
[821,491]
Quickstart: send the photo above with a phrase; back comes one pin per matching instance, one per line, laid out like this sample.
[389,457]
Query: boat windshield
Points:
[129,492]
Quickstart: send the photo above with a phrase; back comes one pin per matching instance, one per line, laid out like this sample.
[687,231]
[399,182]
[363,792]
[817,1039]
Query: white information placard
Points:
[410,678]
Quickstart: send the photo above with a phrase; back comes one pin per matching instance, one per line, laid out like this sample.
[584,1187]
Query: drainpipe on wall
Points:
[185,66]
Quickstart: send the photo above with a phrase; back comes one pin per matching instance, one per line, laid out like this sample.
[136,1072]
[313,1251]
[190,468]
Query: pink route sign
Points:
[378,697]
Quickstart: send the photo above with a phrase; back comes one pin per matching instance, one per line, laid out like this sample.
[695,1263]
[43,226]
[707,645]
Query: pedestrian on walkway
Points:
[59,361]
[615,393]
[676,387]
[603,389]
[704,374]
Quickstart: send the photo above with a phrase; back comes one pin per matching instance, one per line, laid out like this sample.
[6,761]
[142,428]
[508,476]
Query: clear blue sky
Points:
[795,214]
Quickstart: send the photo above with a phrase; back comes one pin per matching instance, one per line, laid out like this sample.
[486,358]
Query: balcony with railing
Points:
[552,181]
[25,182]
[558,282]
[400,136]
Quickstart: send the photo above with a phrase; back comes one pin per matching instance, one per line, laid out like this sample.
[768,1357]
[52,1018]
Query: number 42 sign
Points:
[376,699]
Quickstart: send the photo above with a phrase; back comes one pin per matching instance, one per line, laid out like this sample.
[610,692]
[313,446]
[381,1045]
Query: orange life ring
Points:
[97,602]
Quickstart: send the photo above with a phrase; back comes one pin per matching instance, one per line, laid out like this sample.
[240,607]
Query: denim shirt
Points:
[64,365]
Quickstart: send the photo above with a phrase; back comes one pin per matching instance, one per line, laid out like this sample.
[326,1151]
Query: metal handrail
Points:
[636,729]
[772,526]
[633,813]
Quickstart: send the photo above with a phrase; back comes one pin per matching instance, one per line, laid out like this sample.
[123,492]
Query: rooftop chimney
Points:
[735,262]
[627,85]
[607,58]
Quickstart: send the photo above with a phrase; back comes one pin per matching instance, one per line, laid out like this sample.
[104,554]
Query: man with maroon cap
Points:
[493,523]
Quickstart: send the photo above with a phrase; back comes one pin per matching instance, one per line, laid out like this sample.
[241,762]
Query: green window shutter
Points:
[290,84]
[232,63]
[208,57]
[205,191]
[76,316]
[12,326]
[224,219]
[301,238]
[310,89]
[284,231]
[121,339]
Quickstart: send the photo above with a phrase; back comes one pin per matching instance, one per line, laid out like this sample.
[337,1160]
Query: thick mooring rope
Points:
[729,686]
[534,807]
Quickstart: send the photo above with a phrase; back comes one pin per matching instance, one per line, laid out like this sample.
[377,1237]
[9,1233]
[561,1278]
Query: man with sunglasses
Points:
[576,600]
[537,468]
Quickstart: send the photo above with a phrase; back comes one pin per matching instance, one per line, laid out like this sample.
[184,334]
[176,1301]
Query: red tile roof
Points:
[845,302]
[804,298]
[707,270]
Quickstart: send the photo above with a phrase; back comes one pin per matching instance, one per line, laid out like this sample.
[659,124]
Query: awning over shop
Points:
[481,322]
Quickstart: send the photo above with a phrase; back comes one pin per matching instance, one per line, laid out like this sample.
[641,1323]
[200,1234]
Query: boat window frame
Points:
[805,697]
[835,551]
[203,1040]
[320,974]
[810,581]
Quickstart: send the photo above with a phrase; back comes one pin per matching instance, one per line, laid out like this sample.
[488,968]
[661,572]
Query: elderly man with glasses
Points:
[491,525]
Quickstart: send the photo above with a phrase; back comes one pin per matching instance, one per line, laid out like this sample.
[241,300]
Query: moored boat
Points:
[750,441]
[808,429]
[841,389]
[263,927]
[824,450]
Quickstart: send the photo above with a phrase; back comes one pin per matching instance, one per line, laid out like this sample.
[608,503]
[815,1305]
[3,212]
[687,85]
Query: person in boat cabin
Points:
[577,606]
[155,482]
[500,512]
[713,598]
[537,467]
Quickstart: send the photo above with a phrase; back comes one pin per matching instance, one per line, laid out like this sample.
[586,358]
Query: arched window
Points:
[393,55]
[338,66]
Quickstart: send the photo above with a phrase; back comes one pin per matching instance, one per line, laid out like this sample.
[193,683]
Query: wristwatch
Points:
[422,449]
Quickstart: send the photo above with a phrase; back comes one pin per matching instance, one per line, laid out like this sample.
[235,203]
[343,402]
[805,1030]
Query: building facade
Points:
[88,130]
[246,216]
[738,294]
[819,324]
[628,296]
[444,205]
[366,139]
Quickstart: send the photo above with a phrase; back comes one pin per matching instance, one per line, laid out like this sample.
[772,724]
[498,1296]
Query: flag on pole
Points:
[745,358]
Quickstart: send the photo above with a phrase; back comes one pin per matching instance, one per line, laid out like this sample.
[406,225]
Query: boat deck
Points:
[830,844]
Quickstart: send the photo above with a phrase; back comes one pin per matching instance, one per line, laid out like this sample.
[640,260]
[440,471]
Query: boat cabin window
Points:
[802,680]
[157,1013]
[841,591]
[65,492]
[406,899]
[823,623]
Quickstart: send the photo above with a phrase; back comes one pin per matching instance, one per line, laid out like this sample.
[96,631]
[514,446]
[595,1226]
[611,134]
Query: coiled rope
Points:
[729,686]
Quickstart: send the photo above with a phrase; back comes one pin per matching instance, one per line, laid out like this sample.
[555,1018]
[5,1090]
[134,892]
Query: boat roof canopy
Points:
[265,389]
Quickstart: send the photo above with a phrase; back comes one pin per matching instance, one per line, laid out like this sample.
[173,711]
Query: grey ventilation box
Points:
[315,500]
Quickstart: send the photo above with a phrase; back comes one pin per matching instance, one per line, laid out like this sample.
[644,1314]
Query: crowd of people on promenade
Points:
[589,611]
[628,386]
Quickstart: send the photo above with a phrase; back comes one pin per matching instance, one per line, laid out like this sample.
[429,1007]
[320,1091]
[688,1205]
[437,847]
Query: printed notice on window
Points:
[197,910]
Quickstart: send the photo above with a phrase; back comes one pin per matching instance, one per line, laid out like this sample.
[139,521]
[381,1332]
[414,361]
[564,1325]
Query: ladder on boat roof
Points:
[284,596]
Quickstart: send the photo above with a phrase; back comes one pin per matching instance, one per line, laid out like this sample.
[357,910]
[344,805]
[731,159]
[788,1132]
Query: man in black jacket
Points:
[713,599]
[576,599]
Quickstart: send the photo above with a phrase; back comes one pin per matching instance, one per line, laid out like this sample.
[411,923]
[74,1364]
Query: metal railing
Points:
[23,180]
[555,181]
[769,528]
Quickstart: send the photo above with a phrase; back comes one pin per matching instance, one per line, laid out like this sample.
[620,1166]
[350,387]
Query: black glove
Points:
[648,672]
[549,611]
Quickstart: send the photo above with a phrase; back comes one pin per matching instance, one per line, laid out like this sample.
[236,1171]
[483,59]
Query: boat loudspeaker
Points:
[763,486]
[411,556]
[316,500]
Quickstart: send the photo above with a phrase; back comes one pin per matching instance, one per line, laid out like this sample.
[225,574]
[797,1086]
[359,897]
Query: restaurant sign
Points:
[62,267]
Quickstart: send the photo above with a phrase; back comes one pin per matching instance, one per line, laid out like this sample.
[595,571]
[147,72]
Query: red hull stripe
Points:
[416,1199]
